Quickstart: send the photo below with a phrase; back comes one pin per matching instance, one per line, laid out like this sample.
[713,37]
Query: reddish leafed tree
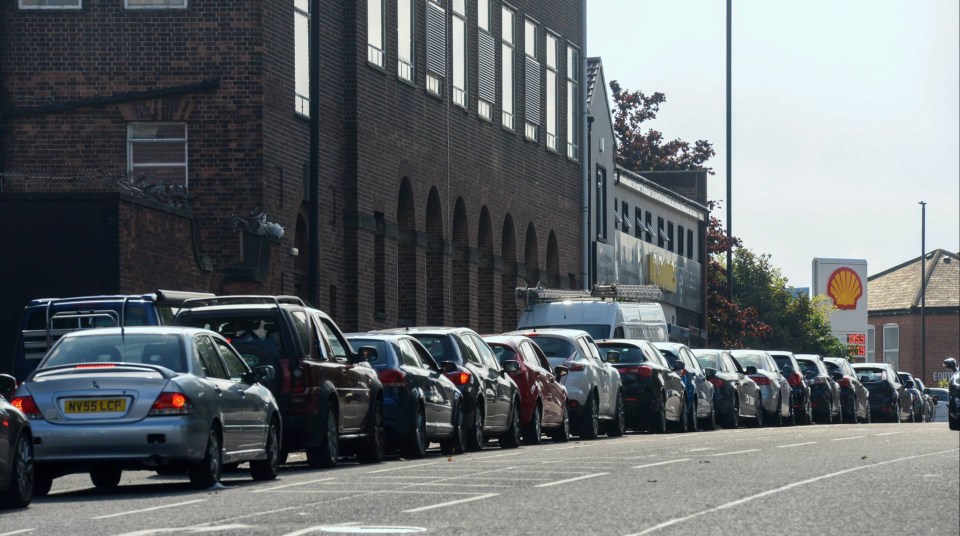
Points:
[642,150]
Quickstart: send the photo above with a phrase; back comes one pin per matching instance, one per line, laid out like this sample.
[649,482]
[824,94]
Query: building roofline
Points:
[663,189]
[937,253]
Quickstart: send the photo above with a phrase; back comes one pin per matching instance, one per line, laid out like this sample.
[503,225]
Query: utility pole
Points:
[729,160]
[923,290]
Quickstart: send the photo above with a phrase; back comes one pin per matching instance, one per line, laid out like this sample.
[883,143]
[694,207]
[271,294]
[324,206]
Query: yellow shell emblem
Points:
[845,287]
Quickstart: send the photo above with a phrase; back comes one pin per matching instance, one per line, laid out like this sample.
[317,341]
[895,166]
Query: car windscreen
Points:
[163,350]
[379,345]
[439,347]
[596,331]
[554,346]
[628,353]
[707,360]
[749,360]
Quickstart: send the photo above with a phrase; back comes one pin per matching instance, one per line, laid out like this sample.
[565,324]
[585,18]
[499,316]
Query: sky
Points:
[845,115]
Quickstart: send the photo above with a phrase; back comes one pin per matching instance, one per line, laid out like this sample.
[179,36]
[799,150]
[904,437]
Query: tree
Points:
[647,151]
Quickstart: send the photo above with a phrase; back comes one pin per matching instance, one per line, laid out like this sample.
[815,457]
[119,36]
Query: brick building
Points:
[893,334]
[155,143]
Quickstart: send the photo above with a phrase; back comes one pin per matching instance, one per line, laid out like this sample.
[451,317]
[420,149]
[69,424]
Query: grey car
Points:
[775,391]
[150,398]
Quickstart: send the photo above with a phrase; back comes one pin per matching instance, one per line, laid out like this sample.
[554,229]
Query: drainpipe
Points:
[313,261]
[584,144]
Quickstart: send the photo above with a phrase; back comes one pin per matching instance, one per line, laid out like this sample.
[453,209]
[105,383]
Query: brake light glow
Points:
[795,380]
[717,382]
[575,366]
[760,379]
[96,365]
[391,377]
[27,406]
[171,404]
[459,377]
[845,382]
[641,371]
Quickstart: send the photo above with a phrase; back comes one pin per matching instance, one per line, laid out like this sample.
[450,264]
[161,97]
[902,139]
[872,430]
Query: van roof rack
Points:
[242,300]
[623,293]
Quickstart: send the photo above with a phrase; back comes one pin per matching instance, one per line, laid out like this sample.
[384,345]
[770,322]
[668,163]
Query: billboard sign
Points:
[844,282]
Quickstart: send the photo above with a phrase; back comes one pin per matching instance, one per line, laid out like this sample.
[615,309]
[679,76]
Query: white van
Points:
[601,319]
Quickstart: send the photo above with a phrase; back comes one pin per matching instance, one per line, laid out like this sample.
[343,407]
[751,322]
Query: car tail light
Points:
[391,377]
[575,366]
[171,404]
[845,382]
[459,377]
[760,379]
[299,384]
[96,365]
[642,372]
[717,382]
[795,380]
[819,379]
[27,406]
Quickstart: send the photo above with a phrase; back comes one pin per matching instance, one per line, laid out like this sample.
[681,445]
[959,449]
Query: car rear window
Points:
[750,360]
[808,366]
[249,334]
[503,353]
[871,374]
[555,346]
[148,349]
[707,360]
[439,347]
[782,361]
[628,353]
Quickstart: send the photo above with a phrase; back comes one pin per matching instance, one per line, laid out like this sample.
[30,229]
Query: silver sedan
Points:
[775,392]
[169,399]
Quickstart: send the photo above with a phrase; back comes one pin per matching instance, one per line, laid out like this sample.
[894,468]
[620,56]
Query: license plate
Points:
[95,405]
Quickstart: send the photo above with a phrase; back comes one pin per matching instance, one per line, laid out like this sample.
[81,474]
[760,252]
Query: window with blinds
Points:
[531,73]
[551,60]
[506,58]
[436,46]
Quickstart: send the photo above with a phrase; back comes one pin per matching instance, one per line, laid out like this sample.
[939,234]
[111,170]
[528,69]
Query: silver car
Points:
[169,399]
[594,389]
[775,392]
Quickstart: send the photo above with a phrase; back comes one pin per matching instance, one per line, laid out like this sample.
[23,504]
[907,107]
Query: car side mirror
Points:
[678,365]
[950,363]
[560,372]
[752,370]
[265,373]
[366,353]
[837,375]
[612,356]
[448,366]
[710,372]
[909,384]
[510,365]
[8,386]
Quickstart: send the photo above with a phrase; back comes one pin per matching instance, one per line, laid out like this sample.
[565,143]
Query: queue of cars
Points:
[248,379]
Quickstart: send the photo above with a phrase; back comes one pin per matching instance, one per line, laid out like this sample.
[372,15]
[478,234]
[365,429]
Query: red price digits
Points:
[856,338]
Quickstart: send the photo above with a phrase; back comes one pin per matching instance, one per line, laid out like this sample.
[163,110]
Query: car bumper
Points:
[770,395]
[640,403]
[153,441]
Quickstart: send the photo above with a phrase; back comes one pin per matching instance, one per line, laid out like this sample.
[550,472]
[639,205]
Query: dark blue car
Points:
[700,409]
[420,404]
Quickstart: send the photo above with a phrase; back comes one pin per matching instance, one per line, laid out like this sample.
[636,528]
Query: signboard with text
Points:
[844,283]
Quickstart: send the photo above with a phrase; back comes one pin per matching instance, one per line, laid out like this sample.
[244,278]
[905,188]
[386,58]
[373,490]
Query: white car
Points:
[940,408]
[594,393]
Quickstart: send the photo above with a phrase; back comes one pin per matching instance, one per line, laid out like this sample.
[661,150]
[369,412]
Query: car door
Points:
[746,388]
[356,379]
[504,386]
[252,398]
[704,388]
[609,377]
[539,370]
[438,403]
[494,416]
[228,401]
[5,439]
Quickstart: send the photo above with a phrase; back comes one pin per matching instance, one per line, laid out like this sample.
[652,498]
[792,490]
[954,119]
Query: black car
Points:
[854,397]
[16,450]
[420,404]
[953,402]
[929,406]
[490,398]
[699,391]
[735,394]
[916,396]
[787,362]
[889,399]
[653,393]
[824,390]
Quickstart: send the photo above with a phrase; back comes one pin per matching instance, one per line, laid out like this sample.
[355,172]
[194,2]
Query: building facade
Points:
[167,144]
[895,327]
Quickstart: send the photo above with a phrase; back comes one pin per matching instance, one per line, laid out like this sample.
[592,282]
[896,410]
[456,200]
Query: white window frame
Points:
[891,354]
[183,5]
[435,79]
[21,5]
[301,68]
[530,32]
[458,52]
[133,168]
[573,98]
[551,82]
[406,52]
[484,107]
[871,356]
[508,69]
[376,40]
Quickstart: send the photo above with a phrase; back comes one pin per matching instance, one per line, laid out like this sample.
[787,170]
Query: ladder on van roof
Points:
[622,293]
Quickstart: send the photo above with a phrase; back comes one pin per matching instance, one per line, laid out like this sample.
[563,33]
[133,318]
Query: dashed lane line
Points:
[293,484]
[660,463]
[151,509]
[451,503]
[796,445]
[846,438]
[558,482]
[735,452]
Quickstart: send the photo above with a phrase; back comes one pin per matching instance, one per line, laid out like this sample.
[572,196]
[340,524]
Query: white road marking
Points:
[294,484]
[846,438]
[563,448]
[301,532]
[760,495]
[558,482]
[451,503]
[189,530]
[21,531]
[481,458]
[149,509]
[736,452]
[660,463]
[891,433]
[399,468]
[796,445]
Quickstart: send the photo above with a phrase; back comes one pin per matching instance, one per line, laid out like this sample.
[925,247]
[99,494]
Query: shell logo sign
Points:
[845,287]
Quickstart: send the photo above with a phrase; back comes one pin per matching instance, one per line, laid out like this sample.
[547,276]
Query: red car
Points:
[543,399]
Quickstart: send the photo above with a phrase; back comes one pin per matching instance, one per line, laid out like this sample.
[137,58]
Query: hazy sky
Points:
[846,114]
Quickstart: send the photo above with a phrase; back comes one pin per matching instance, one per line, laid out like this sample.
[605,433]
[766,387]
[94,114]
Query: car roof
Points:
[629,342]
[138,330]
[422,329]
[562,332]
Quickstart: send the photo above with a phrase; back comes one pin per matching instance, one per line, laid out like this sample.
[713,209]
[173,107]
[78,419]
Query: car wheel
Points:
[327,453]
[532,432]
[562,435]
[457,441]
[106,477]
[683,424]
[710,423]
[734,420]
[660,419]
[896,413]
[267,469]
[511,438]
[758,419]
[590,428]
[778,418]
[475,435]
[913,415]
[416,444]
[792,419]
[692,416]
[375,447]
[20,490]
[953,422]
[619,424]
[207,472]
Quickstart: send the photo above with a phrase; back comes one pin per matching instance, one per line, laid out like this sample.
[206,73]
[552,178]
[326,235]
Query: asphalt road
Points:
[876,479]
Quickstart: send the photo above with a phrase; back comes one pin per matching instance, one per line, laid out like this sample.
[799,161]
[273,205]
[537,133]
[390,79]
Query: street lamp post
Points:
[923,290]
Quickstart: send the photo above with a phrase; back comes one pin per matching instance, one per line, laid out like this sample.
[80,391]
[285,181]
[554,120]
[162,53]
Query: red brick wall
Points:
[942,340]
